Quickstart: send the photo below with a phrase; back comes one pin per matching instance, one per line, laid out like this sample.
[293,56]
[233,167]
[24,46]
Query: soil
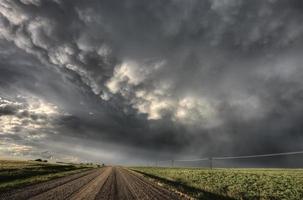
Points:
[107,183]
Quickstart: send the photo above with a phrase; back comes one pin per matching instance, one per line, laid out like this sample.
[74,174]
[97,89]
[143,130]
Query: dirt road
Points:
[108,183]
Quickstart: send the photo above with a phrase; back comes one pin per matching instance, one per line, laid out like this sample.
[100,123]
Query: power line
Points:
[235,157]
[163,160]
[199,159]
[259,155]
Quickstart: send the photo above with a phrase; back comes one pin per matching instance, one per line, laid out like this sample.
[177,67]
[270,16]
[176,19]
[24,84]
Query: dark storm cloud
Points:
[161,77]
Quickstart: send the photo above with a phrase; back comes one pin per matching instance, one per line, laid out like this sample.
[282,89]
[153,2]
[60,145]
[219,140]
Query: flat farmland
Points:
[230,183]
[15,173]
[42,181]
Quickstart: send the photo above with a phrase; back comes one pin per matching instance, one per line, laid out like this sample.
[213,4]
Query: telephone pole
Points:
[210,162]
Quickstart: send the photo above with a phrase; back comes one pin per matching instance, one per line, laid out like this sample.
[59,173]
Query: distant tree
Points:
[44,160]
[38,160]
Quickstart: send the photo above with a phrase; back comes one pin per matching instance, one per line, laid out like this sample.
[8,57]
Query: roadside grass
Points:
[14,174]
[265,184]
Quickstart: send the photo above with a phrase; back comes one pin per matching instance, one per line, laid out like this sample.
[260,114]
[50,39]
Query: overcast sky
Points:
[128,81]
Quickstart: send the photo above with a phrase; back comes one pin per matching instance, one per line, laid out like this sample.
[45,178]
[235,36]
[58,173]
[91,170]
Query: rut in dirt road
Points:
[108,183]
[123,184]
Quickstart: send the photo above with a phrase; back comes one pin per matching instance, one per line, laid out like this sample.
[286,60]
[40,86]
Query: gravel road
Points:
[108,183]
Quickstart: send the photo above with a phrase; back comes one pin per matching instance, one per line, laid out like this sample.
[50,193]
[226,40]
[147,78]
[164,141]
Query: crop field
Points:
[230,183]
[20,173]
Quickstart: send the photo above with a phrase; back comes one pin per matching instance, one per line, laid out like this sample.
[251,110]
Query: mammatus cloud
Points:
[32,26]
[181,77]
[91,56]
[129,80]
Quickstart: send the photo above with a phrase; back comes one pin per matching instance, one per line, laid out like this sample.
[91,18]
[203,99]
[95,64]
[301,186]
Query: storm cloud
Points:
[144,80]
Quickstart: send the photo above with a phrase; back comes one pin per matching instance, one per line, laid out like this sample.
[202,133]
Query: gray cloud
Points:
[167,79]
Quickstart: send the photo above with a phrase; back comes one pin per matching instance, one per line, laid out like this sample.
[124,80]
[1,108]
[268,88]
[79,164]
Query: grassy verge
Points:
[15,174]
[230,183]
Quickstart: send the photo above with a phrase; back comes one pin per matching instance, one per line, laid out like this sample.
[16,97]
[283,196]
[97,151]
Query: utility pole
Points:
[210,162]
[172,163]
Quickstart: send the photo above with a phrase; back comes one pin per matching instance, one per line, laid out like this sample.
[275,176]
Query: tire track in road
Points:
[125,188]
[115,188]
[126,185]
[89,191]
[66,190]
[109,190]
[147,189]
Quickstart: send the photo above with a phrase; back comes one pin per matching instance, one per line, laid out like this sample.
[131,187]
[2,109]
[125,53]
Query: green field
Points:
[20,173]
[230,183]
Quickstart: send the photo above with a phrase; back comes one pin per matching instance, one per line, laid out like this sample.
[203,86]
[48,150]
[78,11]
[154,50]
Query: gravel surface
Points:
[108,183]
[32,190]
